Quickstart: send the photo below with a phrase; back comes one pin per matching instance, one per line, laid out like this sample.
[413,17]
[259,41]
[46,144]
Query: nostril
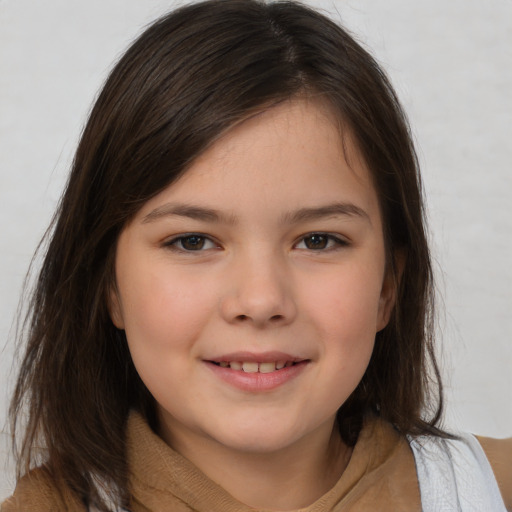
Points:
[274,318]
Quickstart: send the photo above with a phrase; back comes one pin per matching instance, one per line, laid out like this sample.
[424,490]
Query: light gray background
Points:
[451,62]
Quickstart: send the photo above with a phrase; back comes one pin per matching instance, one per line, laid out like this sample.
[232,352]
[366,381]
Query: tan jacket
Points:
[381,475]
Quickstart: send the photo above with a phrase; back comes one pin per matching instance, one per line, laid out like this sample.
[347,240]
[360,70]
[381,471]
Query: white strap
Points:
[92,508]
[455,475]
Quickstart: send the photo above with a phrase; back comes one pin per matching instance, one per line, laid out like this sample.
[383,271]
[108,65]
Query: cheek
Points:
[345,314]
[164,311]
[165,314]
[346,302]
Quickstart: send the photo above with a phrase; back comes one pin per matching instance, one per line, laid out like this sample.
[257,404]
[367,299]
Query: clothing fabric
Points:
[381,475]
[455,475]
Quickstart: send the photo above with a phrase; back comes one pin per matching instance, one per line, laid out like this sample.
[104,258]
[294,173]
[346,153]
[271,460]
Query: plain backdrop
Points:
[451,63]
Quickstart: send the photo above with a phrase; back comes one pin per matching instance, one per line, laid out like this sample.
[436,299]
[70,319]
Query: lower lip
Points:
[257,382]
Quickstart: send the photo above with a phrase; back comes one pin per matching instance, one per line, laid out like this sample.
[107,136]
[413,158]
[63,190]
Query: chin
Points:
[259,445]
[259,437]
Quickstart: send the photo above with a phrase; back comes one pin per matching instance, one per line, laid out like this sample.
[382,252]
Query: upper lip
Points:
[257,357]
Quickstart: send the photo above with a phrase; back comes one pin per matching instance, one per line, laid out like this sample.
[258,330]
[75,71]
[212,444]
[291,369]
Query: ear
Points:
[114,308]
[389,289]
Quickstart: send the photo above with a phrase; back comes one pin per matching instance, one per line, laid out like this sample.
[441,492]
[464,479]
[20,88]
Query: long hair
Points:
[184,82]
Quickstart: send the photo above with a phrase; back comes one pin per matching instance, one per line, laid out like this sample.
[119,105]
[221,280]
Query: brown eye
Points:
[191,243]
[316,241]
[320,242]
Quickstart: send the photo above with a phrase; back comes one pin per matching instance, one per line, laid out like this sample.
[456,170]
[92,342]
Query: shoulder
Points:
[499,454]
[37,492]
[456,474]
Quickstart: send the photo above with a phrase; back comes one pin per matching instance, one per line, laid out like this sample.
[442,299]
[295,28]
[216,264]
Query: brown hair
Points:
[187,79]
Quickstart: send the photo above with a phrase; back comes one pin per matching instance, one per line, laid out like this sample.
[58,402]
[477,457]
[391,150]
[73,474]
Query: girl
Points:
[235,308]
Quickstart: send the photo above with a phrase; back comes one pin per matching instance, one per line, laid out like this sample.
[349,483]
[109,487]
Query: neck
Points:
[290,478]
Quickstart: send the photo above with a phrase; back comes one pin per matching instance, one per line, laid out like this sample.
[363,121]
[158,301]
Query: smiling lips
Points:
[254,367]
[257,372]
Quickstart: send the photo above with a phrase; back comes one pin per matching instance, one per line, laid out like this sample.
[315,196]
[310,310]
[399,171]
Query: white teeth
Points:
[267,367]
[250,367]
[253,367]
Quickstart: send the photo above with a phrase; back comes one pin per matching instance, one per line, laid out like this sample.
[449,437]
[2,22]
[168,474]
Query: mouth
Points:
[257,367]
[257,372]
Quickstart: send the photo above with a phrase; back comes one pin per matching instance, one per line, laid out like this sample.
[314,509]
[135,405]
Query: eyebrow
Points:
[331,210]
[214,216]
[190,211]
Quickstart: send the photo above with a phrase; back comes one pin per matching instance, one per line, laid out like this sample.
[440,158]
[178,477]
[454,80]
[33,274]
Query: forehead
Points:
[308,124]
[290,156]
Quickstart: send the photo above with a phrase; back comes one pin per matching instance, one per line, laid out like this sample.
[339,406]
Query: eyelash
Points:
[332,242]
[175,243]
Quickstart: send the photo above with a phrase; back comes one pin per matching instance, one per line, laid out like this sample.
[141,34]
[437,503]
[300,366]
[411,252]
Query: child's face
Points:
[268,250]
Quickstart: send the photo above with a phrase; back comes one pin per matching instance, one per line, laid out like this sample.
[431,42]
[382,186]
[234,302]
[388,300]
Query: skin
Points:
[257,279]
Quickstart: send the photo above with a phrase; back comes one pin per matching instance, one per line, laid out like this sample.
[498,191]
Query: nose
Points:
[259,292]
